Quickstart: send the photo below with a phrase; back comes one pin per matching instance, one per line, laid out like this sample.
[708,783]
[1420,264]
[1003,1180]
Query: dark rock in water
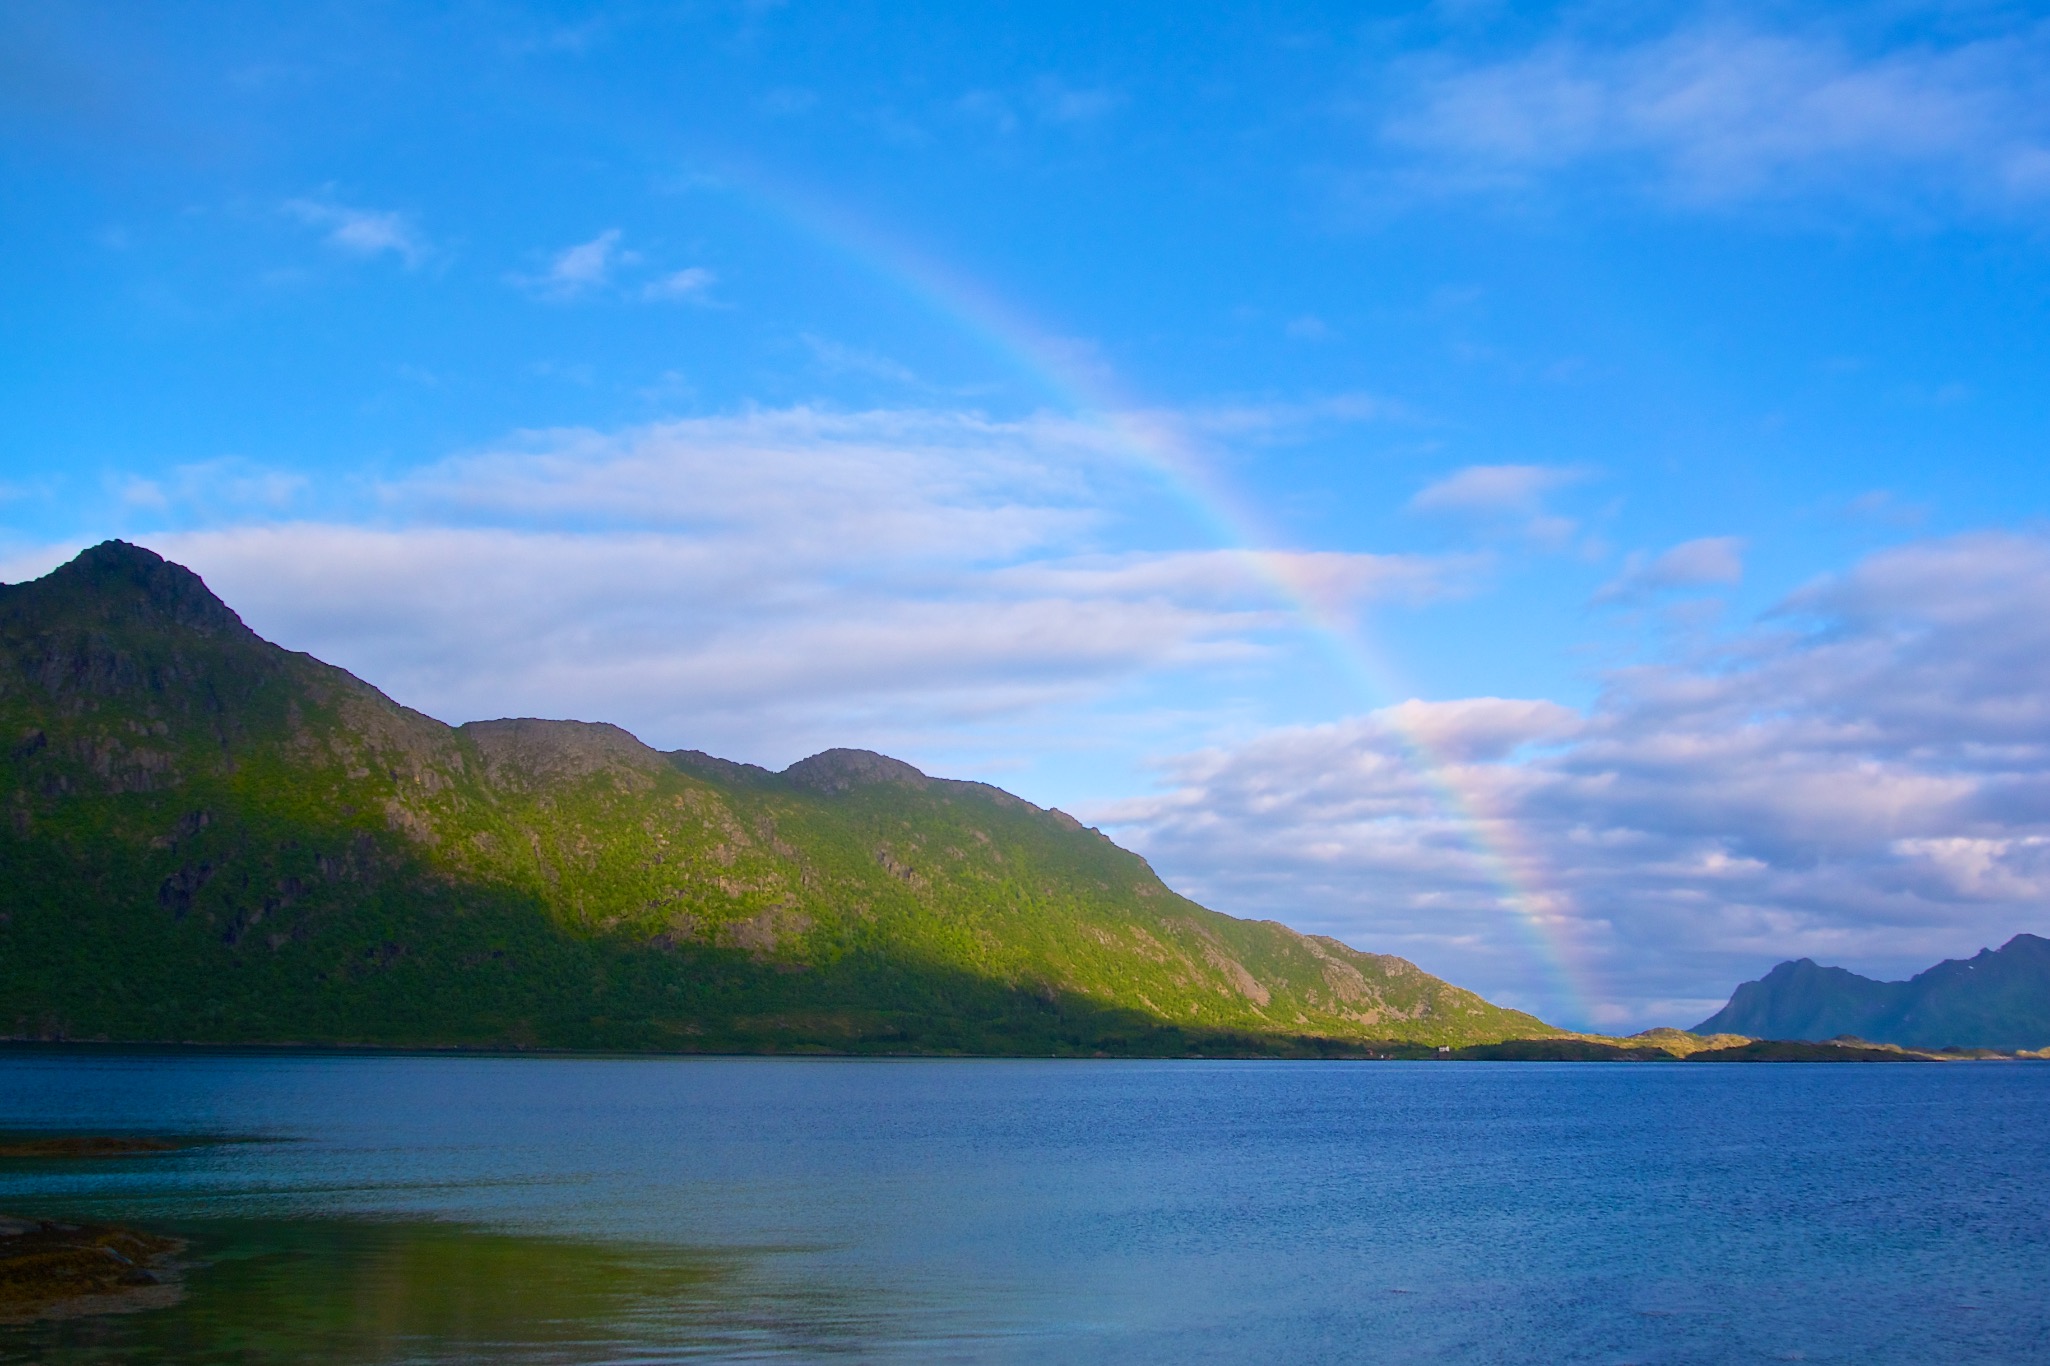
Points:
[1995,999]
[83,1146]
[57,1270]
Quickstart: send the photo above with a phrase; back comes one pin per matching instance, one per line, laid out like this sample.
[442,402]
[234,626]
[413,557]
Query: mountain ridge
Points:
[210,837]
[1998,998]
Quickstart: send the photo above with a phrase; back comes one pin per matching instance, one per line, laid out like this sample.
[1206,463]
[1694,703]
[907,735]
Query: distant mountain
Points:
[207,837]
[1996,999]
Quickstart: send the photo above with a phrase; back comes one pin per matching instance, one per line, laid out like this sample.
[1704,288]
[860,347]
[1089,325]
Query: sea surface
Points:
[524,1210]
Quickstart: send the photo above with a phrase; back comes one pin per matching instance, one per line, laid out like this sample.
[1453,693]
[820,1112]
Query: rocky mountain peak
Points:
[842,770]
[115,582]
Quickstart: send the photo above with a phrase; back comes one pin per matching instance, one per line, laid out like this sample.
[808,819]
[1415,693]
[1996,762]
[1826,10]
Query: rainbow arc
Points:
[1088,394]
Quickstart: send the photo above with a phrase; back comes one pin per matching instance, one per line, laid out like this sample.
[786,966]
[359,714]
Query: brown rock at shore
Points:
[58,1270]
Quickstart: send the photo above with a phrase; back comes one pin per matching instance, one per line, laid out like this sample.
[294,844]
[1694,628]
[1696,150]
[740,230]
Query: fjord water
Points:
[523,1210]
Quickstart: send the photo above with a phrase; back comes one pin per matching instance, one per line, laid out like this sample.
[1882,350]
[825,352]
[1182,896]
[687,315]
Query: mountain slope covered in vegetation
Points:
[211,838]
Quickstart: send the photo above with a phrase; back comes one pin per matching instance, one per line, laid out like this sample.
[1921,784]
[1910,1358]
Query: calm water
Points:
[522,1210]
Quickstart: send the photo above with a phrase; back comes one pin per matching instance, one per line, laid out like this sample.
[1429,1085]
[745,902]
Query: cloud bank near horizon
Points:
[1870,756]
[768,583]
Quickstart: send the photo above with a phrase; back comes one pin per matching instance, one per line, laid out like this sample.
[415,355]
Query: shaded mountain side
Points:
[209,837]
[1803,1000]
[1995,999]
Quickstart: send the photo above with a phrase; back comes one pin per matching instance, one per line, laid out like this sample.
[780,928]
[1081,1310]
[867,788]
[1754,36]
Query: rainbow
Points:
[1088,394]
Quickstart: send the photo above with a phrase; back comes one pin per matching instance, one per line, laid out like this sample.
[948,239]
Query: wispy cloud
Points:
[1061,103]
[1280,420]
[1707,562]
[1724,111]
[1050,102]
[362,232]
[1492,489]
[692,284]
[840,358]
[211,490]
[1504,496]
[989,107]
[604,266]
[581,268]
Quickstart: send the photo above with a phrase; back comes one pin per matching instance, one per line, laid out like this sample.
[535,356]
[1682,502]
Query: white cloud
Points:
[840,358]
[685,638]
[586,264]
[1492,489]
[582,268]
[897,485]
[1511,495]
[362,232]
[1722,111]
[228,486]
[692,284]
[596,267]
[137,492]
[1859,779]
[1482,727]
[1703,563]
[1276,420]
[1054,102]
[773,582]
[1339,582]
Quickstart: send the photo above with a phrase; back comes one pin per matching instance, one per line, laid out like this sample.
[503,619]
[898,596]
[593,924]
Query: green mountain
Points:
[211,838]
[1995,999]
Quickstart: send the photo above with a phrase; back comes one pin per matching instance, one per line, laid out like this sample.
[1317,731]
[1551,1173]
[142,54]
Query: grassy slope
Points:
[212,838]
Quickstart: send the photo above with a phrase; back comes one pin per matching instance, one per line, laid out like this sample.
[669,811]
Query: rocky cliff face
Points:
[210,837]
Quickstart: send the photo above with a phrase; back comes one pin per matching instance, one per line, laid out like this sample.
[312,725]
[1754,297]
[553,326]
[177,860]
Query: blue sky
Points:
[1552,491]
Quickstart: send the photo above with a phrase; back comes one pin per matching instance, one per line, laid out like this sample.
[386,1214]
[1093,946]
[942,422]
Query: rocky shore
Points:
[53,1269]
[59,1270]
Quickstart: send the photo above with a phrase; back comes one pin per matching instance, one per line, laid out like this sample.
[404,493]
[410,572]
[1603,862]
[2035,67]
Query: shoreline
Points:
[1568,1048]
